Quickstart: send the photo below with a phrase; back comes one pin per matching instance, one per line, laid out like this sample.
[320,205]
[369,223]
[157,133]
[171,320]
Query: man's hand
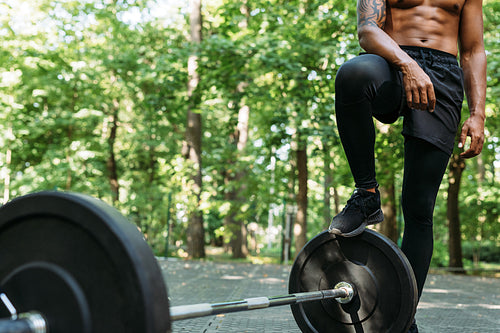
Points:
[474,128]
[418,87]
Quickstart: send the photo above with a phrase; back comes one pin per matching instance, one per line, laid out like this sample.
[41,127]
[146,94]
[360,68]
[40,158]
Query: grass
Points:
[485,269]
[273,256]
[217,254]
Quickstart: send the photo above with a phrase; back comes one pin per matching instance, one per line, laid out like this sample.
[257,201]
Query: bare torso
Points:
[426,23]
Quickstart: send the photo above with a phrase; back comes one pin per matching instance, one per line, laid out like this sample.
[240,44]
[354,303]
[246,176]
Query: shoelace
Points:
[352,202]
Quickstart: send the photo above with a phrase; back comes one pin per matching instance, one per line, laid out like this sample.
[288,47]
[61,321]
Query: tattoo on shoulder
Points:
[371,13]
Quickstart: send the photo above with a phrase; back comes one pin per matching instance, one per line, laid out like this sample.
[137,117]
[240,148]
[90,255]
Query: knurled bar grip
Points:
[343,294]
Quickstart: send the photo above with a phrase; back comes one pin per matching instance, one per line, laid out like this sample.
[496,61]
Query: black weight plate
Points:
[81,264]
[386,291]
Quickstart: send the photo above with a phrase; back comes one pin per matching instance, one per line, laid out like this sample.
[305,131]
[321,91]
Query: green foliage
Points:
[487,251]
[69,68]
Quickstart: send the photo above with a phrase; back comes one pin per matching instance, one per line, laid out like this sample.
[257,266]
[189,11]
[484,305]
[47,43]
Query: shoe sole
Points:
[375,218]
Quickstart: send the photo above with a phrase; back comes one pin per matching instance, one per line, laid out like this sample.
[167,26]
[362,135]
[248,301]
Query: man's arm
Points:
[473,62]
[373,39]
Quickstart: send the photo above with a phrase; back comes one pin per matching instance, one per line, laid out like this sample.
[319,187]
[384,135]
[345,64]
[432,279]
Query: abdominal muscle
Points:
[423,24]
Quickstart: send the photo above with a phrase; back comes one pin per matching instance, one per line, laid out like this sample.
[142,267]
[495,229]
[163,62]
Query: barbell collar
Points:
[30,322]
[349,289]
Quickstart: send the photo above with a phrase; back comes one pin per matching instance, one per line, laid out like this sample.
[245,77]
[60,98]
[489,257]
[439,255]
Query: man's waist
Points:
[428,54]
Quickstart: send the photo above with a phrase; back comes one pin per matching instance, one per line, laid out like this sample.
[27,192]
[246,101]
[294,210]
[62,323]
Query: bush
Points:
[486,251]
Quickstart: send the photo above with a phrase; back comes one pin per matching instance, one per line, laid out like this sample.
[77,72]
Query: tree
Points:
[95,97]
[300,229]
[192,145]
[456,168]
[389,159]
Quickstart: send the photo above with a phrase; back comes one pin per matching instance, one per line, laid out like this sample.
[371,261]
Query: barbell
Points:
[71,263]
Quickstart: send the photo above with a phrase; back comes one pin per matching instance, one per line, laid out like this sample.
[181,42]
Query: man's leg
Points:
[425,165]
[365,86]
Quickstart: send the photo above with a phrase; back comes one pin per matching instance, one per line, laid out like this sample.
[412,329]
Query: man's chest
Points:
[451,6]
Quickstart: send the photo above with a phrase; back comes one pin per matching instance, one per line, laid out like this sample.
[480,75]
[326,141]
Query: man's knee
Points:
[360,77]
[418,211]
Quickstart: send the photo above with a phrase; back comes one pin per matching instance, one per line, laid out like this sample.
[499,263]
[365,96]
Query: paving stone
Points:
[449,304]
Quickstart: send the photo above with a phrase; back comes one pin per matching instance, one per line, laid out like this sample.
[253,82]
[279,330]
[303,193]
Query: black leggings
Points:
[367,86]
[424,168]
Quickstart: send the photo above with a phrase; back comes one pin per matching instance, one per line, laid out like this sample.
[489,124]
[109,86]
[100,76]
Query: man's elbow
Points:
[474,55]
[365,37]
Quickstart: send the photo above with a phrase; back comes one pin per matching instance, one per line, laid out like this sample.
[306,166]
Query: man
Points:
[410,68]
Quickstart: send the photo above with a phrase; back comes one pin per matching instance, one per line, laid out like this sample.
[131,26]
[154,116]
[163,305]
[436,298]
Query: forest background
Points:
[212,123]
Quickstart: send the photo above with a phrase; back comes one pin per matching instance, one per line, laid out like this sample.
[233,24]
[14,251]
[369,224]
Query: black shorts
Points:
[439,127]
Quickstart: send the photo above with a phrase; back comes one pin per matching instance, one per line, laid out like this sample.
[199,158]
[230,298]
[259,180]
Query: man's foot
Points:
[413,327]
[362,209]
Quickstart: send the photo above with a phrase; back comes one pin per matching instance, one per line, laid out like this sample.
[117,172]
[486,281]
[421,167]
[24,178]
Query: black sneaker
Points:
[362,209]
[413,327]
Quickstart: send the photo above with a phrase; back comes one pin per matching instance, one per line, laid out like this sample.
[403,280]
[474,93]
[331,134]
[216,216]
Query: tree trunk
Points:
[389,227]
[233,180]
[327,185]
[69,158]
[192,145]
[236,227]
[456,168]
[69,172]
[8,162]
[291,210]
[300,229]
[232,228]
[111,162]
[241,248]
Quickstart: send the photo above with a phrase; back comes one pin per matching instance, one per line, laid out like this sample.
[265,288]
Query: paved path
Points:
[450,304]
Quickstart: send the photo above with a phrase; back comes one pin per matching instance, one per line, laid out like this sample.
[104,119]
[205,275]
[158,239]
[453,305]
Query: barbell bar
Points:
[342,293]
[71,263]
[34,322]
[31,322]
